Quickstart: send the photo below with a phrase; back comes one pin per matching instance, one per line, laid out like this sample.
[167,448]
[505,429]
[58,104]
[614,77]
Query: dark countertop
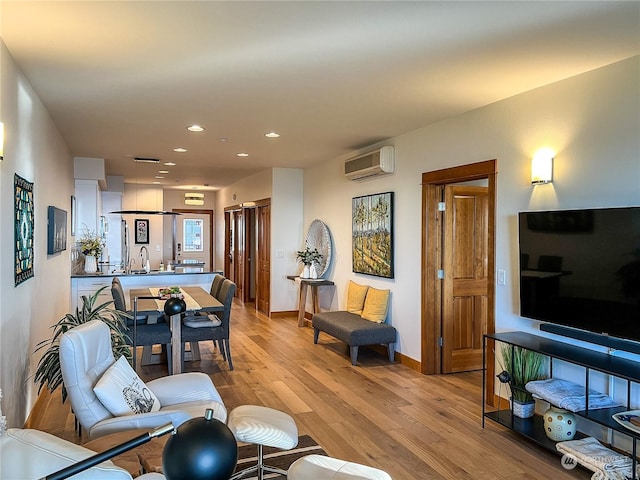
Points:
[152,273]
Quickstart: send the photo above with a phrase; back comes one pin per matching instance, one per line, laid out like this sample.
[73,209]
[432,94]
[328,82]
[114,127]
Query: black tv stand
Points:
[589,360]
[595,338]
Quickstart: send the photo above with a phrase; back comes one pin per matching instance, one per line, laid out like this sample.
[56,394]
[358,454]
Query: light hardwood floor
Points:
[385,415]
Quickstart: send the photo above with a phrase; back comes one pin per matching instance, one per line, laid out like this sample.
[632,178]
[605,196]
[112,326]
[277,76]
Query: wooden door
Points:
[465,283]
[196,251]
[249,241]
[228,245]
[263,277]
[238,252]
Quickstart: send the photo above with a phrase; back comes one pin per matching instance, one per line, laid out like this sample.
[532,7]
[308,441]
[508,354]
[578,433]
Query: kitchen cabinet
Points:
[87,286]
[88,206]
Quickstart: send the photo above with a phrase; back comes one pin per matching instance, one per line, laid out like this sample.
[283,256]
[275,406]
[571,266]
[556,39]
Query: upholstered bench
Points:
[361,324]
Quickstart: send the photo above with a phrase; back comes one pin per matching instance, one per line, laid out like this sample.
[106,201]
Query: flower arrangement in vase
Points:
[309,258]
[91,246]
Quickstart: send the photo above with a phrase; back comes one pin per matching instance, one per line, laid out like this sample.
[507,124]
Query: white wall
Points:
[591,121]
[284,186]
[145,197]
[34,150]
[254,187]
[287,237]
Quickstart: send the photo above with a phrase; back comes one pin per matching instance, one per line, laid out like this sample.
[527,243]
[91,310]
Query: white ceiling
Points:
[124,79]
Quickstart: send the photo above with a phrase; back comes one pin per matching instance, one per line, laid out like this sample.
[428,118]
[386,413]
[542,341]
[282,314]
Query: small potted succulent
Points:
[309,258]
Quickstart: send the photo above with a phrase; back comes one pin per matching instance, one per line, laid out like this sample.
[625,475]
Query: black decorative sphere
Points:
[200,449]
[174,306]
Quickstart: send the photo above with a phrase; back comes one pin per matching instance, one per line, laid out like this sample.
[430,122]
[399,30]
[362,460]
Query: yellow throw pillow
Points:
[355,297]
[375,305]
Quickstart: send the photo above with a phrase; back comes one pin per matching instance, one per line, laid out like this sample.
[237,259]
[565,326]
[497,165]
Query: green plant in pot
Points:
[48,371]
[309,258]
[520,366]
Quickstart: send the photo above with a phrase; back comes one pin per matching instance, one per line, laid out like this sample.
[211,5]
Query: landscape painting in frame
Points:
[372,237]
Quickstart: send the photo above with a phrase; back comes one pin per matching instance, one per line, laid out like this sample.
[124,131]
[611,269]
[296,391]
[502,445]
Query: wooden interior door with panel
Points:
[465,282]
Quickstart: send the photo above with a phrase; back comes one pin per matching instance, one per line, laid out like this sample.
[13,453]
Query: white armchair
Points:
[32,454]
[85,354]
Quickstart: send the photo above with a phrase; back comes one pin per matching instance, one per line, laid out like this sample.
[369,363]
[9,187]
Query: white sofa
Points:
[31,454]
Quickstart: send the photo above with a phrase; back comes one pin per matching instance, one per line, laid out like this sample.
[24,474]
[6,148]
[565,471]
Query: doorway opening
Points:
[247,252]
[196,246]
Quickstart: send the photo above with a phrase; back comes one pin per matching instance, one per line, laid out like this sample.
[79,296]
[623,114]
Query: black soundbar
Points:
[595,338]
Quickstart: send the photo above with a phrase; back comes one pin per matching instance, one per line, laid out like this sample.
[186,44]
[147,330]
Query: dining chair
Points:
[550,263]
[216,284]
[86,359]
[142,334]
[197,328]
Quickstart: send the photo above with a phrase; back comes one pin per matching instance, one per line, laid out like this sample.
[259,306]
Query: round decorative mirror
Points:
[319,237]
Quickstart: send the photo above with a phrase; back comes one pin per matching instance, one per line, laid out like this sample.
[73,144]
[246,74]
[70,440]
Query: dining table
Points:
[149,301]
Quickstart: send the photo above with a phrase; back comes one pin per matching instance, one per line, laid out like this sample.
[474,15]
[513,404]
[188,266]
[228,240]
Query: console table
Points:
[305,284]
[532,428]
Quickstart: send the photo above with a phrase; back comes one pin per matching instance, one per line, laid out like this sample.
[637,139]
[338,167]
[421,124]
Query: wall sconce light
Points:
[542,167]
[1,141]
[193,198]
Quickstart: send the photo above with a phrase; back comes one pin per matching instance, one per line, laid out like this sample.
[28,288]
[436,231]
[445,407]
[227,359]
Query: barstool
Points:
[320,467]
[262,426]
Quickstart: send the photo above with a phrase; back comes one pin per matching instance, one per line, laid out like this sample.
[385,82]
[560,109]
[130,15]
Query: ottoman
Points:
[320,467]
[262,426]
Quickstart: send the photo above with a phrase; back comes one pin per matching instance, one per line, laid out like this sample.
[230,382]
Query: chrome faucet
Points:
[144,259]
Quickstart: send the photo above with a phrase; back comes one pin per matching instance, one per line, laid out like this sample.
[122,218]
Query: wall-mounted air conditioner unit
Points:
[378,162]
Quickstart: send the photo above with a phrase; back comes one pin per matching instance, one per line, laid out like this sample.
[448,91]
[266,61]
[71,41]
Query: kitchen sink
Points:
[144,272]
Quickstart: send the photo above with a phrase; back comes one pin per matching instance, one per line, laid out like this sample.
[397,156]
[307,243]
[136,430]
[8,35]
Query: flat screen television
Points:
[581,269]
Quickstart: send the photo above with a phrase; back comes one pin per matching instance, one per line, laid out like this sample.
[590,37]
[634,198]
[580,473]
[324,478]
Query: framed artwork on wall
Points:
[142,230]
[73,215]
[372,234]
[56,230]
[23,232]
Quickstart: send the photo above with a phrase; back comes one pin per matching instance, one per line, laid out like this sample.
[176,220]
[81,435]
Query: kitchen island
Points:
[88,284]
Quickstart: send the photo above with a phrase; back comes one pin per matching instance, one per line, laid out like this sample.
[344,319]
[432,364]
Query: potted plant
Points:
[48,371]
[521,366]
[308,258]
[91,246]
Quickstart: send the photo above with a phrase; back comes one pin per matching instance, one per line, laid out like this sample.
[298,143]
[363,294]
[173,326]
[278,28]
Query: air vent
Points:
[146,160]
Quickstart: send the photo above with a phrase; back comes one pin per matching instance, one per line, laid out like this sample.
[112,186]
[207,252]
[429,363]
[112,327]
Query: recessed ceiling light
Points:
[159,176]
[180,150]
[170,164]
[156,183]
[223,139]
[242,154]
[272,135]
[195,128]
[163,171]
